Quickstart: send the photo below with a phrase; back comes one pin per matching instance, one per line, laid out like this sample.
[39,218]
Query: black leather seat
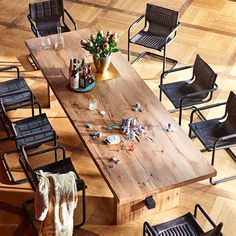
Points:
[160,29]
[186,225]
[186,94]
[217,133]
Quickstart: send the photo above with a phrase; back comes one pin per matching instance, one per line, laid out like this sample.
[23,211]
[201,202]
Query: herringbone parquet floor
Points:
[208,28]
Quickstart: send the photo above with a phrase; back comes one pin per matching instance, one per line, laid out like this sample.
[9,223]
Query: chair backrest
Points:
[229,125]
[48,10]
[47,16]
[161,20]
[204,76]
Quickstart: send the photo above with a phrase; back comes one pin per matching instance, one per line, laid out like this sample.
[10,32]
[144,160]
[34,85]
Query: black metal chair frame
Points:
[13,136]
[34,27]
[148,229]
[33,182]
[20,104]
[188,96]
[223,138]
[168,40]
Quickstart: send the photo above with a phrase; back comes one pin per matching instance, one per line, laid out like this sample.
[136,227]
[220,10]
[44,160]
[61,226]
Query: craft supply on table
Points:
[138,107]
[96,134]
[102,113]
[170,128]
[88,125]
[113,139]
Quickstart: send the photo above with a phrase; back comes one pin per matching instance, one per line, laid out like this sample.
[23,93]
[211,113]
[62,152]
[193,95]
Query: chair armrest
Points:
[9,68]
[209,106]
[150,232]
[71,18]
[44,151]
[172,32]
[197,206]
[226,137]
[201,92]
[134,24]
[33,26]
[164,73]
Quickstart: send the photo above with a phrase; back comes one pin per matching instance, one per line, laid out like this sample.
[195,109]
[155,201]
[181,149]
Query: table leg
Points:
[137,209]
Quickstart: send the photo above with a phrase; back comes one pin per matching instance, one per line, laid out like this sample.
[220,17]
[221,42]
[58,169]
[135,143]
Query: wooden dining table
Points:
[159,163]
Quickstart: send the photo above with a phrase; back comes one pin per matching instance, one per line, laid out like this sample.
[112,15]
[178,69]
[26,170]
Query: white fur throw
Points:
[55,201]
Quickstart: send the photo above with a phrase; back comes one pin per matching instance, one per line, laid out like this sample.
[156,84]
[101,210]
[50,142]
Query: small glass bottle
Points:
[59,40]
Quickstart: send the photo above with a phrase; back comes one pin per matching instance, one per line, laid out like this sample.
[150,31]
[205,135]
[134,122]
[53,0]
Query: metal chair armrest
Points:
[134,24]
[11,67]
[201,92]
[147,226]
[71,19]
[164,73]
[226,137]
[43,151]
[33,26]
[172,32]
[197,206]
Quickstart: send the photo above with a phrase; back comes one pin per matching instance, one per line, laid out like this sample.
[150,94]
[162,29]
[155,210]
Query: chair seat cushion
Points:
[210,130]
[175,91]
[15,85]
[62,167]
[31,125]
[148,40]
[185,225]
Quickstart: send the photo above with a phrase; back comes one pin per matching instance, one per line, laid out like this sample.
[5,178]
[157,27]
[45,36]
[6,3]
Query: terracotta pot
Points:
[102,63]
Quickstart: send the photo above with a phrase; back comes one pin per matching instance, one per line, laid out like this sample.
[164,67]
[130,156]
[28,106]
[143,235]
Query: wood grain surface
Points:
[161,160]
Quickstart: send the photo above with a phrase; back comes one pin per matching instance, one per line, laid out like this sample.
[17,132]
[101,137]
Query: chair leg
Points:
[84,210]
[55,144]
[168,59]
[6,130]
[33,62]
[3,158]
[29,216]
[212,162]
[164,59]
[128,50]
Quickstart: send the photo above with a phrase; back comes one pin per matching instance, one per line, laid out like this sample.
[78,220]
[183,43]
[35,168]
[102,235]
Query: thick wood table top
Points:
[161,160]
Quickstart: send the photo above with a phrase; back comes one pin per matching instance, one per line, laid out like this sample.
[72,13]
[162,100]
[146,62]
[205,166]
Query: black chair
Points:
[186,94]
[15,93]
[183,225]
[218,133]
[45,17]
[160,29]
[29,132]
[62,166]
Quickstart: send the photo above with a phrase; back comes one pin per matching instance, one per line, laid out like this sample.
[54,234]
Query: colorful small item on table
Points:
[113,126]
[138,107]
[113,139]
[95,135]
[170,128]
[88,125]
[131,128]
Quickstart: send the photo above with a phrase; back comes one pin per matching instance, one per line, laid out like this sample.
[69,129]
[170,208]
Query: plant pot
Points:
[102,63]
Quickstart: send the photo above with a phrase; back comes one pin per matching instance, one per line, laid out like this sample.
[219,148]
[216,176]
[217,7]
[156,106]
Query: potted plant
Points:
[101,47]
